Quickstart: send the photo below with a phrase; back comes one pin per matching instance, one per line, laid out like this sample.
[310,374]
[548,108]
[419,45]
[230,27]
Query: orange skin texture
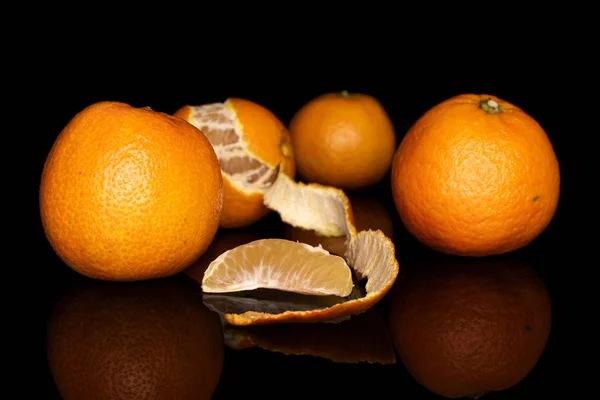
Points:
[138,340]
[128,193]
[470,327]
[343,141]
[264,135]
[470,183]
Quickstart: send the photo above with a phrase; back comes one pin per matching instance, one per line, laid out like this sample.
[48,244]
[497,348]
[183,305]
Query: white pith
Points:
[200,117]
[317,208]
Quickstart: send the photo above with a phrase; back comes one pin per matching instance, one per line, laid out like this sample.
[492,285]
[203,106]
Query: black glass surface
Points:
[351,360]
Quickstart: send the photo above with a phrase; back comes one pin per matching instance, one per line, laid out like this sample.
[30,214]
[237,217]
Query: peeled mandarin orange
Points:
[130,193]
[252,145]
[475,176]
[326,210]
[346,140]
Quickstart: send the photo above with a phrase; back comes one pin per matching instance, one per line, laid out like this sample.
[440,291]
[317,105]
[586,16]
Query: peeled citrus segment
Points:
[324,209]
[244,170]
[279,264]
[361,339]
[372,256]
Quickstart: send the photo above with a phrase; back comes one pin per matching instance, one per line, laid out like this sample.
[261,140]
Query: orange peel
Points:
[326,210]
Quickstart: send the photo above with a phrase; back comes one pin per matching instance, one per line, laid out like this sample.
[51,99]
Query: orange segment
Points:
[371,255]
[278,264]
[225,239]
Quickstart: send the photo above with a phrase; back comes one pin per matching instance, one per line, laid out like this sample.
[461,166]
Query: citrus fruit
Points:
[470,326]
[252,145]
[368,211]
[363,338]
[151,339]
[326,210]
[278,264]
[475,176]
[346,140]
[129,193]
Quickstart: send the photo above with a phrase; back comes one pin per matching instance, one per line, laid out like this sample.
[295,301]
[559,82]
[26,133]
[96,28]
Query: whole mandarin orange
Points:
[475,176]
[129,193]
[346,140]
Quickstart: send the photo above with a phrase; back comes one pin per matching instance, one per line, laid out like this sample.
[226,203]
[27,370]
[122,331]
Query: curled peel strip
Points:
[327,211]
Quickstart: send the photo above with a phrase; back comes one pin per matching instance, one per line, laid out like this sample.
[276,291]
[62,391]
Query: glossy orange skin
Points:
[470,183]
[469,327]
[129,193]
[346,141]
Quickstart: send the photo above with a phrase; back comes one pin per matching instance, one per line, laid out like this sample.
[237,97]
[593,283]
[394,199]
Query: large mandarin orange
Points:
[475,175]
[252,145]
[129,193]
[469,326]
[151,339]
[346,140]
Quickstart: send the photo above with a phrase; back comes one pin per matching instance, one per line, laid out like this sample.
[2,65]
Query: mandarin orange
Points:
[346,140]
[130,193]
[475,175]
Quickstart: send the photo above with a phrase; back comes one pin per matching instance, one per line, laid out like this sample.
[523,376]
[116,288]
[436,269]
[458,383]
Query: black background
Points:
[406,85]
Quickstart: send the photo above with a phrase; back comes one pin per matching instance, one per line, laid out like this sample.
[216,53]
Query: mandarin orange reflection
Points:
[149,339]
[466,327]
